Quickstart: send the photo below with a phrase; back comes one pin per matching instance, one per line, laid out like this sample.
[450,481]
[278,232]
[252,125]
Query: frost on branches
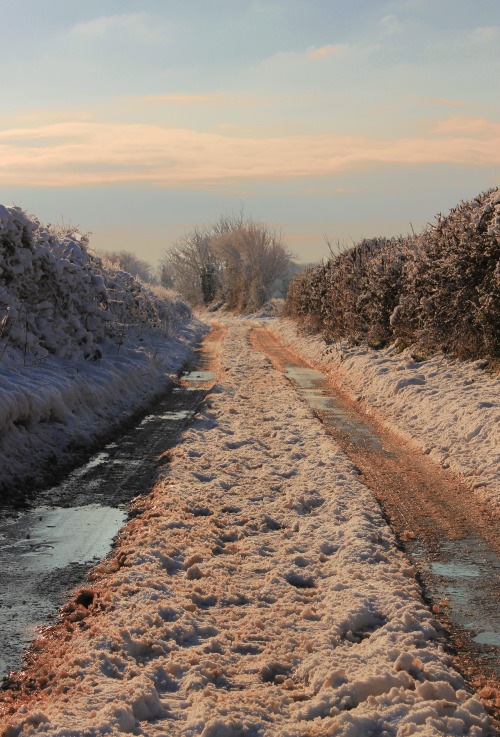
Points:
[82,342]
[439,290]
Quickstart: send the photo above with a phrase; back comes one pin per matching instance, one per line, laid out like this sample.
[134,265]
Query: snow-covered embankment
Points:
[82,344]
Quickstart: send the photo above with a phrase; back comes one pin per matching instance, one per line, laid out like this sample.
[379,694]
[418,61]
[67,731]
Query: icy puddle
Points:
[469,574]
[312,386]
[46,551]
[58,537]
[42,553]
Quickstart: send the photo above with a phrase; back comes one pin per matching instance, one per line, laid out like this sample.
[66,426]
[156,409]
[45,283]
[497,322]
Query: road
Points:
[257,590]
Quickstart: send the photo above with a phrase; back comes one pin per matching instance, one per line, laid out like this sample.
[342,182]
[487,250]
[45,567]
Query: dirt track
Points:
[431,511]
[256,591]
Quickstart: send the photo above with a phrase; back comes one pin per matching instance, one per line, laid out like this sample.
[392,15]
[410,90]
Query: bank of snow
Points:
[449,408]
[82,344]
[257,592]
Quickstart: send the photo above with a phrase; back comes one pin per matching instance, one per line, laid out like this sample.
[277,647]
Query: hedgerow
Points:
[439,290]
[59,298]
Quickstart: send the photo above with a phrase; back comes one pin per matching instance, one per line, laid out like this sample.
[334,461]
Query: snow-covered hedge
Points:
[439,289]
[82,346]
[58,298]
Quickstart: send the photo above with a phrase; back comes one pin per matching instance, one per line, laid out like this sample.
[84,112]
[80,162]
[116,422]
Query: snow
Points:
[449,408]
[82,345]
[257,592]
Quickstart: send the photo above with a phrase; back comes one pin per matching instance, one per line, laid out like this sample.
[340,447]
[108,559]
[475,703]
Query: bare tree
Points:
[235,260]
[192,266]
[132,264]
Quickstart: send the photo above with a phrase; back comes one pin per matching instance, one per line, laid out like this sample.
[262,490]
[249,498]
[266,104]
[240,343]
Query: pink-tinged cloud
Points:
[444,101]
[183,99]
[467,126]
[92,154]
[325,50]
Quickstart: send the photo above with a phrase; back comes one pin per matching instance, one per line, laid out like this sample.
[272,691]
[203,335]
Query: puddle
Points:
[313,387]
[200,376]
[98,459]
[183,414]
[468,574]
[455,570]
[40,551]
[488,638]
[46,538]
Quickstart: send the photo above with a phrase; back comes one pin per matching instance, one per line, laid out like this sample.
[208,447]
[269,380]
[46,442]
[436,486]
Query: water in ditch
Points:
[46,550]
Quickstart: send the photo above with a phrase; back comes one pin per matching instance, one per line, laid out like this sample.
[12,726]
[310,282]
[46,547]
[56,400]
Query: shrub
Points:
[237,261]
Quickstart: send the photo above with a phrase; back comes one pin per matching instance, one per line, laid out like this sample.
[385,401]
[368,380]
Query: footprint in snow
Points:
[205,478]
[300,581]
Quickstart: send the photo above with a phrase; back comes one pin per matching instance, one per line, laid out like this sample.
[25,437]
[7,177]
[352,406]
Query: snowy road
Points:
[258,591]
[451,538]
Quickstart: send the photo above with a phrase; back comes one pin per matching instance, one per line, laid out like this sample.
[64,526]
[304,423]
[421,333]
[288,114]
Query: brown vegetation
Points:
[439,290]
[238,262]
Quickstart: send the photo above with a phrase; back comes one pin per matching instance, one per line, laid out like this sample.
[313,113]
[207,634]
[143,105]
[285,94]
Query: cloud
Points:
[444,101]
[39,116]
[90,153]
[485,34]
[467,126]
[216,98]
[135,25]
[325,50]
[390,25]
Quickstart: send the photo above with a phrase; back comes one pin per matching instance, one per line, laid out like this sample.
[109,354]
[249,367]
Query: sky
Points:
[138,121]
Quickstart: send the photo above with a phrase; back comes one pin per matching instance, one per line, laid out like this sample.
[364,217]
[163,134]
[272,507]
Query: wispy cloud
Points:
[390,25]
[135,25]
[216,98]
[467,126]
[80,153]
[444,101]
[485,34]
[326,50]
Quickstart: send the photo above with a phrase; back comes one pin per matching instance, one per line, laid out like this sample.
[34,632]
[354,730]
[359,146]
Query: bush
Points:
[239,262]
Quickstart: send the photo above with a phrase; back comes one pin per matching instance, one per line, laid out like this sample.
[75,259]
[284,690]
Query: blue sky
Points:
[139,120]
